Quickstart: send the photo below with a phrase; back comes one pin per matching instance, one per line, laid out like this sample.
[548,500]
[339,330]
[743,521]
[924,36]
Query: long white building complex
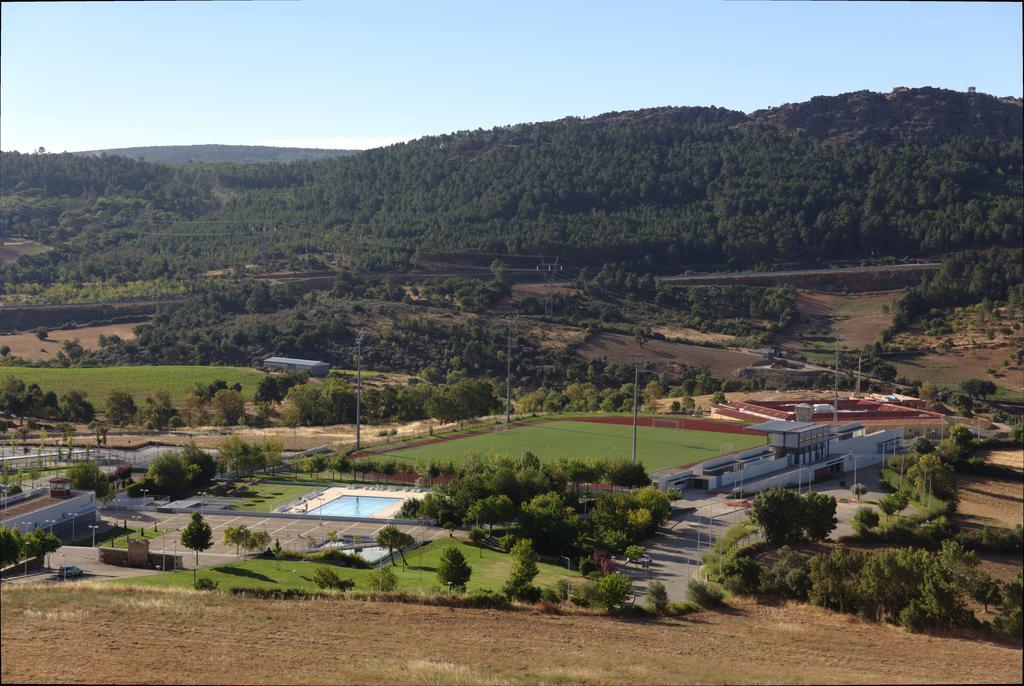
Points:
[795,453]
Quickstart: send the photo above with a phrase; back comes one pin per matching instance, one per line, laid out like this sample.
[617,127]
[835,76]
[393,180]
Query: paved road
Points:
[699,519]
[832,271]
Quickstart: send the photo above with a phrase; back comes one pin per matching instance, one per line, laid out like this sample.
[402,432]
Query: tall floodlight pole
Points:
[508,374]
[637,359]
[835,389]
[359,385]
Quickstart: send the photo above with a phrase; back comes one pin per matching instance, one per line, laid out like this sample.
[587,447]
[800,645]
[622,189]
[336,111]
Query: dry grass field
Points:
[26,345]
[859,318]
[14,248]
[987,501]
[660,355]
[101,634]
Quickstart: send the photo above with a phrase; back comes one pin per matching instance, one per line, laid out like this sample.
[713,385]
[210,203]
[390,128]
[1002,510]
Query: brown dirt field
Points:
[538,290]
[553,336]
[986,501]
[26,345]
[695,335]
[859,318]
[148,635]
[662,354]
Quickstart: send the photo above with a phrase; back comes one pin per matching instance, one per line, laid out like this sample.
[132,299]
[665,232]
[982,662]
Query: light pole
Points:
[94,527]
[64,566]
[637,358]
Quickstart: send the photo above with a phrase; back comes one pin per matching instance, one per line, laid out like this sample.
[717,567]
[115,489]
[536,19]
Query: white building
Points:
[57,509]
[795,453]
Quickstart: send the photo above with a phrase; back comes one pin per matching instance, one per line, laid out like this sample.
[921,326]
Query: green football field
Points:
[656,447]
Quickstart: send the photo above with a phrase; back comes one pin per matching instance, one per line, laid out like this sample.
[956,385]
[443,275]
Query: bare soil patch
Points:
[1006,458]
[859,318]
[695,335]
[987,501]
[619,348]
[28,346]
[147,635]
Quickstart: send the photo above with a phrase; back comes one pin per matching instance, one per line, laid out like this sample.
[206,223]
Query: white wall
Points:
[80,503]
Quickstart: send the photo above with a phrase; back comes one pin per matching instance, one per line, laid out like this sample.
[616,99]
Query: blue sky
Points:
[358,74]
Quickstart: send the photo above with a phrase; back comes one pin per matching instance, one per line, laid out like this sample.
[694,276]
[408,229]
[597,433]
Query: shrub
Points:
[740,573]
[586,595]
[507,541]
[486,599]
[477,536]
[705,594]
[865,518]
[913,617]
[382,579]
[657,597]
[327,578]
[205,585]
[613,590]
[683,607]
[787,578]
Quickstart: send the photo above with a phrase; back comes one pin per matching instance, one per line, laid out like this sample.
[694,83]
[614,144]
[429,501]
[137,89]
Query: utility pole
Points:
[508,373]
[550,269]
[835,389]
[359,385]
[637,360]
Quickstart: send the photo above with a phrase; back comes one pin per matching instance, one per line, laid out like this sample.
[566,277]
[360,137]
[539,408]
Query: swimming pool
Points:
[355,506]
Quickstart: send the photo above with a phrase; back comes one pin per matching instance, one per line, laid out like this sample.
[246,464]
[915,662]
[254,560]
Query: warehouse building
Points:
[290,364]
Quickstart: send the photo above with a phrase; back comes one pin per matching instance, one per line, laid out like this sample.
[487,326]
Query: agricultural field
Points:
[27,345]
[990,501]
[141,382]
[657,447]
[490,570]
[148,635]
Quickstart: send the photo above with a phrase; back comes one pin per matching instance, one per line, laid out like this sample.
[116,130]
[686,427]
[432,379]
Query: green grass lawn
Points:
[656,447]
[141,382]
[490,569]
[264,497]
[116,536]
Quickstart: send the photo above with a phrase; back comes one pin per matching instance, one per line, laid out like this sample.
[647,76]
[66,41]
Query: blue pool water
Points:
[355,506]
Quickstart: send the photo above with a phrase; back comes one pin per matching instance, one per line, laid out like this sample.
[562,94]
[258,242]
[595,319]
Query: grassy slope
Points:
[141,382]
[139,635]
[656,447]
[490,569]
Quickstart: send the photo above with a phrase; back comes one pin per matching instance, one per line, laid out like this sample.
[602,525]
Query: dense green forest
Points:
[662,189]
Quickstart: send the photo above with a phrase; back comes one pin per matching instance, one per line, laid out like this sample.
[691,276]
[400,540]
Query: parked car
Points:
[69,571]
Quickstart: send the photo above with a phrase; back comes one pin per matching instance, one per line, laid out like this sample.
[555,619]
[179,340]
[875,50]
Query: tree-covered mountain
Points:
[915,172]
[231,154]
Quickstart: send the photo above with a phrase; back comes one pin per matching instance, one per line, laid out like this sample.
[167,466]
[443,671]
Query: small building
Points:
[291,364]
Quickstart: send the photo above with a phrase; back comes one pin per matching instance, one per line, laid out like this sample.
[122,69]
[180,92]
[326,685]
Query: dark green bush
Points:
[205,585]
[705,594]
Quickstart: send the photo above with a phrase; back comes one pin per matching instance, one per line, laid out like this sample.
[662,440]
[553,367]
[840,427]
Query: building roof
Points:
[786,427]
[292,360]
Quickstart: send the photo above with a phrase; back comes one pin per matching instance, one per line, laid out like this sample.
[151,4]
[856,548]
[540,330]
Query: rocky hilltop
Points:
[922,115]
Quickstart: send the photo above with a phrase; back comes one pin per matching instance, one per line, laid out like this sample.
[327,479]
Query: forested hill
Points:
[850,176]
[234,154]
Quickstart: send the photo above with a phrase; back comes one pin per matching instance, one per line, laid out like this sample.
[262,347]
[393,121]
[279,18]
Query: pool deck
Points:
[335,492]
